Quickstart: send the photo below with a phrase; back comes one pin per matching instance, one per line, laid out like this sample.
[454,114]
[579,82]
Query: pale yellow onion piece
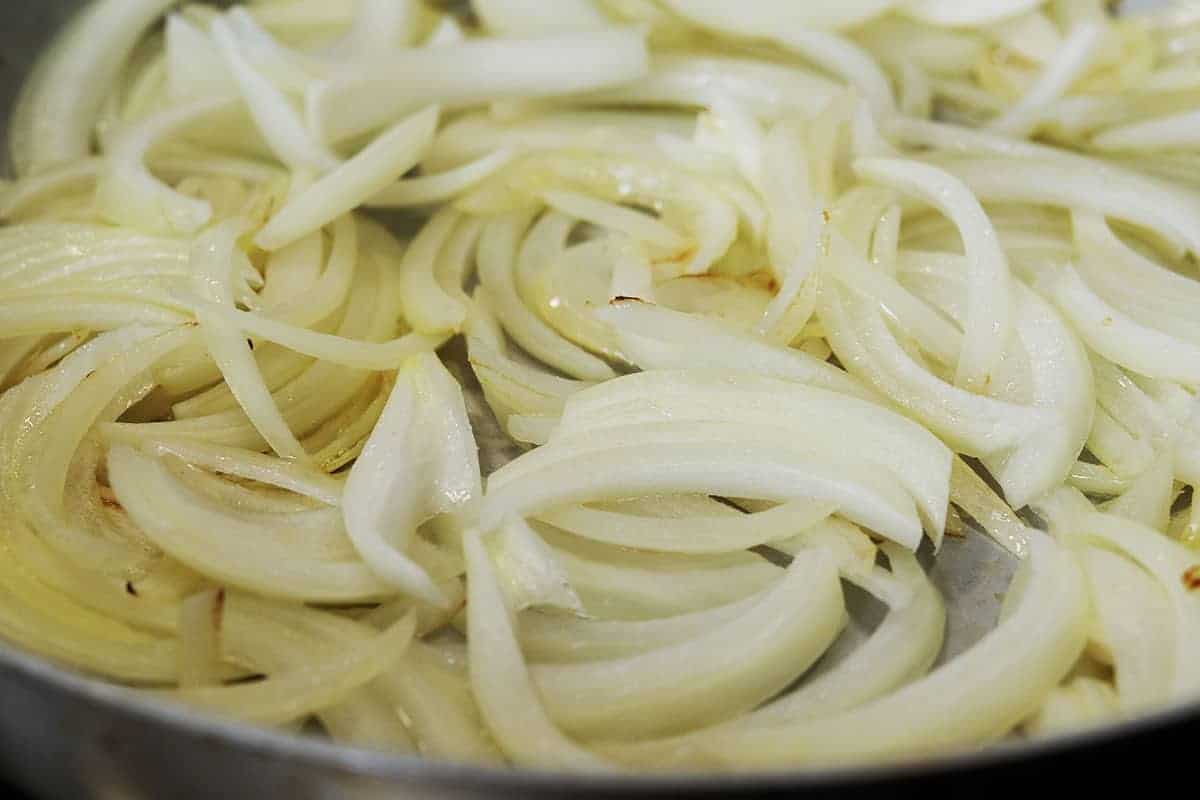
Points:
[769,91]
[683,198]
[556,638]
[728,128]
[503,687]
[988,315]
[440,708]
[968,422]
[195,68]
[526,17]
[976,697]
[215,260]
[510,385]
[1174,567]
[670,458]
[373,92]
[64,407]
[1075,182]
[1083,702]
[296,692]
[245,464]
[788,195]
[1152,294]
[973,495]
[1133,626]
[380,26]
[529,572]
[635,224]
[497,255]
[1032,35]
[688,534]
[655,337]
[1170,132]
[355,242]
[354,353]
[632,273]
[793,247]
[1118,338]
[196,532]
[272,112]
[1059,380]
[199,638]
[419,462]
[779,16]
[427,306]
[475,136]
[455,265]
[288,69]
[730,668]
[61,101]
[128,194]
[26,194]
[441,187]
[1096,479]
[966,12]
[1116,448]
[1149,496]
[900,650]
[53,625]
[342,190]
[291,273]
[363,718]
[933,332]
[1072,61]
[916,458]
[619,584]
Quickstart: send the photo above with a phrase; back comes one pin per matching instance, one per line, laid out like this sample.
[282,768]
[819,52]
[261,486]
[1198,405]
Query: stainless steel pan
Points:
[63,735]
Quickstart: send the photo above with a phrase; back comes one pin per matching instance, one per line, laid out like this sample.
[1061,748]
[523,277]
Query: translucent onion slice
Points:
[508,700]
[61,102]
[988,313]
[669,458]
[619,584]
[202,534]
[1173,566]
[428,307]
[769,645]
[274,117]
[1132,628]
[914,456]
[1006,676]
[689,534]
[195,68]
[779,17]
[969,13]
[296,693]
[128,194]
[769,91]
[1173,131]
[216,260]
[440,708]
[1076,182]
[370,94]
[497,257]
[378,164]
[1120,339]
[420,461]
[659,338]
[900,650]
[1076,55]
